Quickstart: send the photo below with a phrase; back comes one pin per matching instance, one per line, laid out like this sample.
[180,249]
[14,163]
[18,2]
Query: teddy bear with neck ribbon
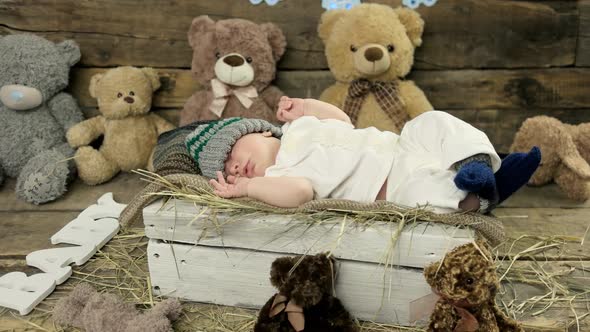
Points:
[305,300]
[370,49]
[467,284]
[234,62]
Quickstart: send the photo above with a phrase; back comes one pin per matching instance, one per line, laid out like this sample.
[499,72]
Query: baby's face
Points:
[252,154]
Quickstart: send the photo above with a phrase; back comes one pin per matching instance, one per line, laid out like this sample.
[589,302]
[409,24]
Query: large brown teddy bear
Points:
[234,61]
[369,49]
[467,284]
[305,300]
[130,133]
[566,154]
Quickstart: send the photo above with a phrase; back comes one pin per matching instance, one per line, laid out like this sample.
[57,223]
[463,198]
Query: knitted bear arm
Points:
[443,318]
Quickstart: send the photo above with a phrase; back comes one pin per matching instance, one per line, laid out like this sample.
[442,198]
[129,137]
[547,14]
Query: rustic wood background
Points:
[490,62]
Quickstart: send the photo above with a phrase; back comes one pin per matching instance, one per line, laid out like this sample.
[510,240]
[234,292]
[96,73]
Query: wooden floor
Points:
[541,212]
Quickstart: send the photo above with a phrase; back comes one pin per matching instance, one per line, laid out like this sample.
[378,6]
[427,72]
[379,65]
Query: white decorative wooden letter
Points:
[91,230]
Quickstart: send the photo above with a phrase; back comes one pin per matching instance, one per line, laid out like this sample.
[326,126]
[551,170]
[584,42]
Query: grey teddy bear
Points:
[35,115]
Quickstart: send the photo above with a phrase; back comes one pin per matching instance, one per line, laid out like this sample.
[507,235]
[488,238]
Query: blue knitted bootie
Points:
[515,171]
[476,177]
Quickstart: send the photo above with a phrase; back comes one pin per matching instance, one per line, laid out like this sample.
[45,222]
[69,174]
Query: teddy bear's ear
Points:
[571,158]
[201,24]
[93,87]
[327,22]
[413,23]
[276,39]
[70,52]
[430,272]
[279,271]
[153,76]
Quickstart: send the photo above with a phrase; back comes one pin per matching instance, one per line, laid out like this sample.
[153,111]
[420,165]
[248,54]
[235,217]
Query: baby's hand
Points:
[290,109]
[234,187]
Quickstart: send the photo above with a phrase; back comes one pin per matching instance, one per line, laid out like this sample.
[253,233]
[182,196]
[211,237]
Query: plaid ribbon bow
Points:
[387,96]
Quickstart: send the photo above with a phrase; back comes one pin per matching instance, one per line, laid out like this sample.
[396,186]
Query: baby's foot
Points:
[516,170]
[476,177]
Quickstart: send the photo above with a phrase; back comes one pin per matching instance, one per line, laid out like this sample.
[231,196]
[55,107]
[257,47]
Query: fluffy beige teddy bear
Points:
[124,97]
[566,154]
[369,49]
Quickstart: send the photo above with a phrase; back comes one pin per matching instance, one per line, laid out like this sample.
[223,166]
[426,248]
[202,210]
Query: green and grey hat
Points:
[210,144]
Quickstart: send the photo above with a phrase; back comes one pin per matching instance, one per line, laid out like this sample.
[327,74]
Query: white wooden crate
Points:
[231,263]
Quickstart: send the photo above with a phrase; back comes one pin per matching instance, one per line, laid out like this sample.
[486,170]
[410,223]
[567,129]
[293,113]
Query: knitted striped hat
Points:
[210,144]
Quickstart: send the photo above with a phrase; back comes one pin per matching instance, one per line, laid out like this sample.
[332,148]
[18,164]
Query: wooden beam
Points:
[446,90]
[583,53]
[548,196]
[78,197]
[546,222]
[502,125]
[25,232]
[458,34]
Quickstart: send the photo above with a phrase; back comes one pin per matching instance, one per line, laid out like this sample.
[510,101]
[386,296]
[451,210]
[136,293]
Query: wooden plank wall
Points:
[491,62]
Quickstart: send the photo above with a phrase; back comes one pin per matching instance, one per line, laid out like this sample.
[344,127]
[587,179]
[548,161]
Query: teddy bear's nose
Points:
[373,54]
[129,100]
[234,60]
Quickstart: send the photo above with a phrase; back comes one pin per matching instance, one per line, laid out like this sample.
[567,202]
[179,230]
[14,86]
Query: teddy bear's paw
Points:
[93,167]
[44,178]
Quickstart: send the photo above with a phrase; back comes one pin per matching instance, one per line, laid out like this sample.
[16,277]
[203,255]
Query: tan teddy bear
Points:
[124,97]
[566,154]
[369,49]
[467,284]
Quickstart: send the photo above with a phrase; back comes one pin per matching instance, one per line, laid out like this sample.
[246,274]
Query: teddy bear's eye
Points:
[249,59]
[131,93]
[119,95]
[469,281]
[217,55]
[352,48]
[390,48]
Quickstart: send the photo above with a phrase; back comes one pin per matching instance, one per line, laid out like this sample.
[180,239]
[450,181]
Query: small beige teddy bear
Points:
[130,133]
[467,284]
[566,154]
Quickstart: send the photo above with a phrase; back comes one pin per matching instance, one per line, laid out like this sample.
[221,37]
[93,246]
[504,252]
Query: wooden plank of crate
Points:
[239,277]
[417,245]
[535,89]
[458,34]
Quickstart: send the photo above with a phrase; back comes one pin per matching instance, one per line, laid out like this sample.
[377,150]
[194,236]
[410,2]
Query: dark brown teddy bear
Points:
[234,61]
[467,284]
[305,299]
